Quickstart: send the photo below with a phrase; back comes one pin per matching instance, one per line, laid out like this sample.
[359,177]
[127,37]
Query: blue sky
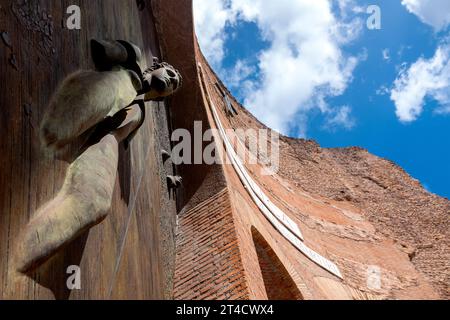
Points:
[314,70]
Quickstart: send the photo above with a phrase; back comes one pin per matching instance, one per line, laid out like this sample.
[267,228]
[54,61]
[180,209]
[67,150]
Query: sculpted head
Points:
[164,81]
[157,82]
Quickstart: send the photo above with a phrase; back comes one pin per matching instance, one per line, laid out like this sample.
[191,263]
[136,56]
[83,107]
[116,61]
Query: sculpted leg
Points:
[83,201]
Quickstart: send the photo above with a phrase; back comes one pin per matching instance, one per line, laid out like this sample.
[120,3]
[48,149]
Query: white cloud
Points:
[426,78]
[304,63]
[436,13]
[340,117]
[383,90]
[211,17]
[238,74]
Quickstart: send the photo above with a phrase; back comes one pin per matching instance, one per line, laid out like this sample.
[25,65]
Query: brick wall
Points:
[208,262]
[278,283]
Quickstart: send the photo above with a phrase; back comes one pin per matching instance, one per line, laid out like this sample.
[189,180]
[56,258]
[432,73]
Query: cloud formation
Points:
[304,64]
[340,117]
[435,13]
[426,78]
[211,17]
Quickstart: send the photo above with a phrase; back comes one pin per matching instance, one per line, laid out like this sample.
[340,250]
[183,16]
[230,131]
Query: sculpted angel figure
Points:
[100,108]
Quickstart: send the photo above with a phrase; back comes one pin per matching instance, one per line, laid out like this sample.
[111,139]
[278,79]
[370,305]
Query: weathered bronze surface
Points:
[130,254]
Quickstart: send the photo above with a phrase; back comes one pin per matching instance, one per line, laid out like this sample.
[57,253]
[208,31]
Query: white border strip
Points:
[291,231]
